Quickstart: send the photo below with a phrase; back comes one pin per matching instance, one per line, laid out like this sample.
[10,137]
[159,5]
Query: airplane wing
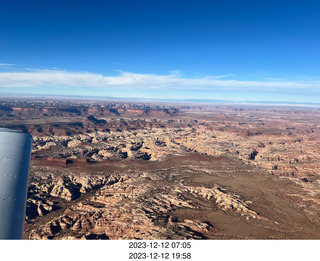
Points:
[15,151]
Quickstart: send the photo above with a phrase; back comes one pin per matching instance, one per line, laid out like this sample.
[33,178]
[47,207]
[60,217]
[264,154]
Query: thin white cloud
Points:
[129,80]
[7,64]
[224,76]
[123,64]
[274,79]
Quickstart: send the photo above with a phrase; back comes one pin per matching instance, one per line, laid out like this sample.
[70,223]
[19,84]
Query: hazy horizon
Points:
[141,99]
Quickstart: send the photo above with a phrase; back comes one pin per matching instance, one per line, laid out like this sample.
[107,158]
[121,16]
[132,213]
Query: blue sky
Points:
[233,50]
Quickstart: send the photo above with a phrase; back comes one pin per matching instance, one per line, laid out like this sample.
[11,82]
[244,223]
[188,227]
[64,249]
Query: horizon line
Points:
[186,100]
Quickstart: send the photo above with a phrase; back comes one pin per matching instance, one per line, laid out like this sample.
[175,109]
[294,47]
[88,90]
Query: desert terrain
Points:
[145,170]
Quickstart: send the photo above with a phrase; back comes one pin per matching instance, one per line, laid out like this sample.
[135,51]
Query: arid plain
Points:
[140,170]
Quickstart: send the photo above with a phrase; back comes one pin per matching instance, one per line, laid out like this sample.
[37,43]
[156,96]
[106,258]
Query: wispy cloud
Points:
[129,80]
[123,64]
[6,64]
[223,76]
[274,79]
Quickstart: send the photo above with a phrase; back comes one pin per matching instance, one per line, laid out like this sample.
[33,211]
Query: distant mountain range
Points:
[213,101]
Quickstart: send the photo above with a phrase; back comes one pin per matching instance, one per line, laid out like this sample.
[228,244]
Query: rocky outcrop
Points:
[226,201]
[65,190]
[38,207]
